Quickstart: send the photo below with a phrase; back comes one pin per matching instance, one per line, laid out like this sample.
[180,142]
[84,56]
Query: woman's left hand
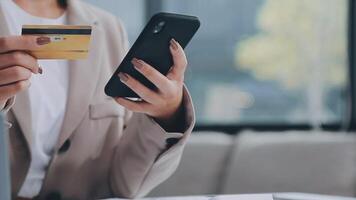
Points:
[164,103]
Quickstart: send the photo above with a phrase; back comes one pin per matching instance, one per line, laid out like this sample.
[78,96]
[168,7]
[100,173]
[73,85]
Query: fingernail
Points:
[137,63]
[123,77]
[40,70]
[43,40]
[174,44]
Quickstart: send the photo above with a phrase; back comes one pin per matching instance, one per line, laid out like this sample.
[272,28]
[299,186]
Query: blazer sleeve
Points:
[8,105]
[142,158]
[6,109]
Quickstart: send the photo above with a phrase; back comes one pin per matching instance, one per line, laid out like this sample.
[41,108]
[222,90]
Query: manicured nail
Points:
[123,77]
[40,70]
[43,40]
[174,44]
[137,63]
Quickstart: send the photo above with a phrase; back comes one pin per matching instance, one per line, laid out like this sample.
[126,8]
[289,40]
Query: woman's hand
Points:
[164,103]
[17,66]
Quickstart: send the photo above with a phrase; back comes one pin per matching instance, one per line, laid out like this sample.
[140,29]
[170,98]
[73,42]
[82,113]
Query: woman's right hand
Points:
[17,66]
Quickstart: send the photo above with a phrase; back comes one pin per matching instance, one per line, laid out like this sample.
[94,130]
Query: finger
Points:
[11,90]
[14,74]
[145,93]
[179,61]
[140,107]
[19,58]
[158,79]
[13,43]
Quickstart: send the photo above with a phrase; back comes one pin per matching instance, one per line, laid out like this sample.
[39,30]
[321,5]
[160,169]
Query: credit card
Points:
[67,41]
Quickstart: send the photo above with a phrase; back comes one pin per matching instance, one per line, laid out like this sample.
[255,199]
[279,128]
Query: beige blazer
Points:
[103,150]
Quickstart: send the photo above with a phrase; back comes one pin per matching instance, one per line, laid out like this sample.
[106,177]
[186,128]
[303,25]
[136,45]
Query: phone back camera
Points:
[158,28]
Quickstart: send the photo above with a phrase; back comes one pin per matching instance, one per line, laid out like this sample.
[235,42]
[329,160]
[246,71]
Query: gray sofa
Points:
[260,162]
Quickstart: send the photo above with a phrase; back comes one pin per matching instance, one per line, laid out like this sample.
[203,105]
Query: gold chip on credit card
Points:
[67,42]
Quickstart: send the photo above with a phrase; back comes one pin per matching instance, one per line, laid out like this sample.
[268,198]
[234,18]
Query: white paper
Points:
[301,196]
[217,197]
[278,196]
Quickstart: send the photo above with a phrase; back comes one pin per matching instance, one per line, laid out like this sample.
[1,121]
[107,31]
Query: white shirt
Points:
[48,96]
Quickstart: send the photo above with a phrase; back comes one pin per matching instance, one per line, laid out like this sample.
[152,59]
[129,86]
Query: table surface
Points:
[277,196]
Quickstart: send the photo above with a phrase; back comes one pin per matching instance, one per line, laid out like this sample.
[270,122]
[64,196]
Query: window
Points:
[131,12]
[268,61]
[260,61]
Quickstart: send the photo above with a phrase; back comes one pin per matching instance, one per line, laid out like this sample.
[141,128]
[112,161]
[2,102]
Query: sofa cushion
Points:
[293,162]
[200,171]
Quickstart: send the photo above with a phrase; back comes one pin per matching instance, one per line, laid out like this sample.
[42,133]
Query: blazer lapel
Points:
[83,73]
[83,77]
[21,109]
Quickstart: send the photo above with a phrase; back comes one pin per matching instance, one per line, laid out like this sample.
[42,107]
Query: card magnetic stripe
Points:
[33,31]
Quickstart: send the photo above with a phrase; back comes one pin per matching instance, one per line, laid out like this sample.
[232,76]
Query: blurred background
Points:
[272,82]
[259,61]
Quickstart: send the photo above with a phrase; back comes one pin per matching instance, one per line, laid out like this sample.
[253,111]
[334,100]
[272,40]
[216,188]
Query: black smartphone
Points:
[152,46]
